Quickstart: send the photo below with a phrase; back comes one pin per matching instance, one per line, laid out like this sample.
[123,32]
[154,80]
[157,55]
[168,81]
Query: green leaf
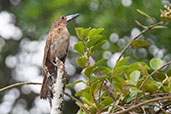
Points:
[156,63]
[146,15]
[160,76]
[150,86]
[93,40]
[79,32]
[134,76]
[94,31]
[105,70]
[88,102]
[119,69]
[82,33]
[87,96]
[98,45]
[121,62]
[132,95]
[79,47]
[98,63]
[85,33]
[88,71]
[81,61]
[169,73]
[79,93]
[139,43]
[106,102]
[166,88]
[72,84]
[160,27]
[81,112]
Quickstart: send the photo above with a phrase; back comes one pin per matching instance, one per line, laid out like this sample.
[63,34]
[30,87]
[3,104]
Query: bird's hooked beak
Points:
[70,17]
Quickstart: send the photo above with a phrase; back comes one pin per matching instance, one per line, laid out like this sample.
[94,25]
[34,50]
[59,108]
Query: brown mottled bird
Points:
[56,46]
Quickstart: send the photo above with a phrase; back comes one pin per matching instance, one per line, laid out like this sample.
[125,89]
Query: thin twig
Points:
[142,104]
[19,84]
[136,37]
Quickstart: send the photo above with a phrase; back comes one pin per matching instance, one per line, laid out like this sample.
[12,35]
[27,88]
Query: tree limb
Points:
[59,87]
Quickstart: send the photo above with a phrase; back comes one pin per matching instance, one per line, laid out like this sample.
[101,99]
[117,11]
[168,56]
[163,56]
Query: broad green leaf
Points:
[94,31]
[98,63]
[169,73]
[121,62]
[85,33]
[79,32]
[72,84]
[160,76]
[134,76]
[119,69]
[88,71]
[167,88]
[98,45]
[106,102]
[93,40]
[95,86]
[156,63]
[88,102]
[81,61]
[146,15]
[81,112]
[79,47]
[150,86]
[87,95]
[139,43]
[119,83]
[102,78]
[131,83]
[105,70]
[79,93]
[82,33]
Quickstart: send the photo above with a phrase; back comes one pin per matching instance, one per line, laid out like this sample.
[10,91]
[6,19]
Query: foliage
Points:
[133,82]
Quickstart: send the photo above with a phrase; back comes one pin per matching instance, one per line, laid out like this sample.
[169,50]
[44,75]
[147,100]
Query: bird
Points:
[56,46]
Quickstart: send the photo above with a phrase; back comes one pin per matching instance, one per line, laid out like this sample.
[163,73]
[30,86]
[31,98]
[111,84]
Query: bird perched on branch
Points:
[56,46]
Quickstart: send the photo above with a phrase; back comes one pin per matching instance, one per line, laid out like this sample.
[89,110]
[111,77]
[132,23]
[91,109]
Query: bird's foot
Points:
[46,71]
[56,62]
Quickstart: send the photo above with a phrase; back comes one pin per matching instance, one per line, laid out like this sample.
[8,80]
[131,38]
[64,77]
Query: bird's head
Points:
[64,19]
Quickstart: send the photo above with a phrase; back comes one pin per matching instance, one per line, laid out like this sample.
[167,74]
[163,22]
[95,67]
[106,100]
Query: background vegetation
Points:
[23,30]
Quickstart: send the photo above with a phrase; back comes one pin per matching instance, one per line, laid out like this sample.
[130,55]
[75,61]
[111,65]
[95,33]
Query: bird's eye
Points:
[63,17]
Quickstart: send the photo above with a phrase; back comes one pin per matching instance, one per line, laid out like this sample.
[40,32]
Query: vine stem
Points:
[19,84]
[142,104]
[136,37]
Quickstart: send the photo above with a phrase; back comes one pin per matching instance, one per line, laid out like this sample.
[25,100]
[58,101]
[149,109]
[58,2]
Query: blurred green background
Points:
[24,25]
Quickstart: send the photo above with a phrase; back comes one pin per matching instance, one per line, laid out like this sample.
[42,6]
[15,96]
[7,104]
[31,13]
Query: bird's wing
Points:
[46,50]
